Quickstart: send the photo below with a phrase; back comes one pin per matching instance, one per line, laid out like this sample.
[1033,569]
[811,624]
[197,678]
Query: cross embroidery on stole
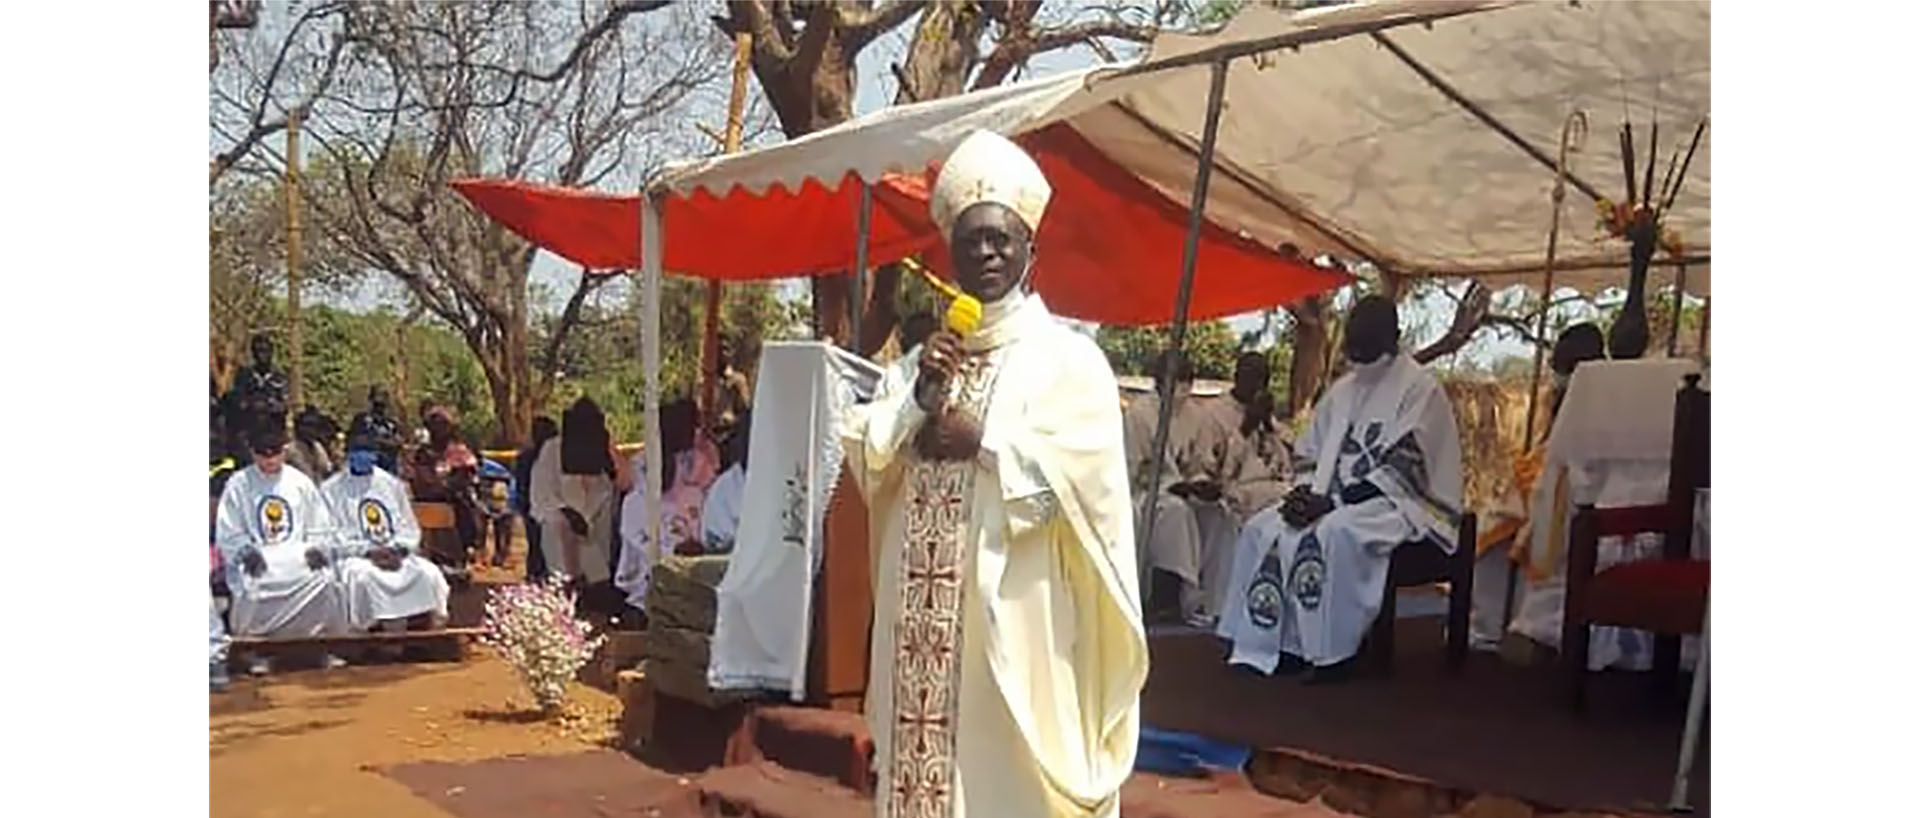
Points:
[927,631]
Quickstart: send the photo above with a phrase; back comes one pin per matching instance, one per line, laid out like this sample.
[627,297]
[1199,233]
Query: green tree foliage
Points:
[601,359]
[1212,346]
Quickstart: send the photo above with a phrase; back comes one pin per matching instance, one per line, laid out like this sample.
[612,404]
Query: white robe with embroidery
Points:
[282,516]
[1008,652]
[720,517]
[374,511]
[763,611]
[1314,592]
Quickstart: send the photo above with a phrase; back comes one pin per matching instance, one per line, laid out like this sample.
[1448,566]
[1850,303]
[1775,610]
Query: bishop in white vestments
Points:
[1310,574]
[274,531]
[1008,650]
[382,573]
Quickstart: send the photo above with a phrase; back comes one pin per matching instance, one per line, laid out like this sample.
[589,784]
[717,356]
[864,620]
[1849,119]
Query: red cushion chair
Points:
[1666,595]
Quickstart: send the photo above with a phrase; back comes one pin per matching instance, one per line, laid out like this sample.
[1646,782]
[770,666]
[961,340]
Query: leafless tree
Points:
[804,57]
[401,98]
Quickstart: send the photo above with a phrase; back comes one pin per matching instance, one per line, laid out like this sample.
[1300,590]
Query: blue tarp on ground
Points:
[1170,752]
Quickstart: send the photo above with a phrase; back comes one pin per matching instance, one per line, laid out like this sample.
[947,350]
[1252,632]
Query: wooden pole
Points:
[736,123]
[295,352]
[1573,134]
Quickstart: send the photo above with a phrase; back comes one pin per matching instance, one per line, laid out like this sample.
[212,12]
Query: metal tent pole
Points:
[862,237]
[1690,735]
[652,258]
[1196,215]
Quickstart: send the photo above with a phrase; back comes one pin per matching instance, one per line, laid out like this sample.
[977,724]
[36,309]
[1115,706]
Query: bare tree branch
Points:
[1022,42]
[1468,317]
[258,127]
[570,316]
[860,26]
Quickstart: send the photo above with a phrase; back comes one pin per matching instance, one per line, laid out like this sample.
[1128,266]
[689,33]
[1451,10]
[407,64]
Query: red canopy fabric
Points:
[1109,249]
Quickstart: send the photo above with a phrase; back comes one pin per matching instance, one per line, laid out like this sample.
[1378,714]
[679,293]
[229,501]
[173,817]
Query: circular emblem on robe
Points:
[1264,595]
[1309,573]
[276,518]
[375,522]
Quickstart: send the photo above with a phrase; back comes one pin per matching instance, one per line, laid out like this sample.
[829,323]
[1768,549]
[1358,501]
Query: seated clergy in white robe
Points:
[1310,574]
[1189,551]
[1261,459]
[274,531]
[381,570]
[720,512]
[1007,647]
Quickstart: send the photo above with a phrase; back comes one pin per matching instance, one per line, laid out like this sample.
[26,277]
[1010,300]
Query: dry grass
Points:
[1492,416]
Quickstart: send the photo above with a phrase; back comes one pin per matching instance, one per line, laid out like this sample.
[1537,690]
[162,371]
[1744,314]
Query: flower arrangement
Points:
[1614,219]
[532,626]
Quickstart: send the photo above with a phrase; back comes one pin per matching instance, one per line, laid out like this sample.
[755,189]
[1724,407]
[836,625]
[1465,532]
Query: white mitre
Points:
[988,167]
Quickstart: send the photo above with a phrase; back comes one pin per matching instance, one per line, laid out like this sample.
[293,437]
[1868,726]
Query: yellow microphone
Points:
[963,311]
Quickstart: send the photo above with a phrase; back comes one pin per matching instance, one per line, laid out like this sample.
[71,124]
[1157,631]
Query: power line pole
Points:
[295,351]
[730,143]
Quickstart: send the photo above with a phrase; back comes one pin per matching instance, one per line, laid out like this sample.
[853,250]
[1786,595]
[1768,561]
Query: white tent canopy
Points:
[1337,144]
[1348,130]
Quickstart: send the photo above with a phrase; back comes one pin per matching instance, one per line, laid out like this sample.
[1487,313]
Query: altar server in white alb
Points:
[1008,652]
[274,531]
[384,577]
[1309,574]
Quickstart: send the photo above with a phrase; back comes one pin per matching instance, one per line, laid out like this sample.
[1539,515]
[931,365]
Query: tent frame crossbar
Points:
[1453,94]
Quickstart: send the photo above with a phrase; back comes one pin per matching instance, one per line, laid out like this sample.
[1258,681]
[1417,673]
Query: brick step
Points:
[767,790]
[831,744]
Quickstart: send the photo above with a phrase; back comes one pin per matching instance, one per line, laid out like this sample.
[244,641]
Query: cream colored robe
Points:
[1191,539]
[1008,650]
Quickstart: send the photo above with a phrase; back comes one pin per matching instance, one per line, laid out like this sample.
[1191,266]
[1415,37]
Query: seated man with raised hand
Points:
[384,578]
[1310,574]
[274,530]
[720,516]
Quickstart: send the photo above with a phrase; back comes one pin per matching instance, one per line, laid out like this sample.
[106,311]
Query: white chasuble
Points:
[1008,650]
[374,511]
[1385,436]
[281,516]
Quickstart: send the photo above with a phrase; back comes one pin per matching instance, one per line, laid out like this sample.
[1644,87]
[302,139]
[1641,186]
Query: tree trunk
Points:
[1310,345]
[515,415]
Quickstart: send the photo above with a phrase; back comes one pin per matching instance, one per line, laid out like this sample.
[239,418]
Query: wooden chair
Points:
[1425,563]
[1666,595]
[440,539]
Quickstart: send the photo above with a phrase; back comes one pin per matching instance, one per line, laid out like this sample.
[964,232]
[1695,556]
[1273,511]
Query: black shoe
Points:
[1291,665]
[1335,673]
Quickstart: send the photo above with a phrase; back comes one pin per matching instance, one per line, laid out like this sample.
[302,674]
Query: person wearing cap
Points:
[385,580]
[274,532]
[1008,652]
